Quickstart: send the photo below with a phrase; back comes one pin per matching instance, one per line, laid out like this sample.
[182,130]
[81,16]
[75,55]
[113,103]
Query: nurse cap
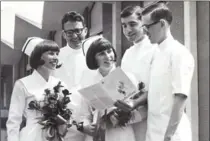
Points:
[87,42]
[30,44]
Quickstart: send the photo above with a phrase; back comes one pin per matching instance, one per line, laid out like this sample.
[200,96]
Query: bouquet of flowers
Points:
[131,101]
[55,114]
[123,111]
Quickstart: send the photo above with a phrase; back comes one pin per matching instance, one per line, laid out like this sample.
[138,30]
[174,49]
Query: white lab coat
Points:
[171,73]
[137,60]
[25,90]
[73,65]
[112,134]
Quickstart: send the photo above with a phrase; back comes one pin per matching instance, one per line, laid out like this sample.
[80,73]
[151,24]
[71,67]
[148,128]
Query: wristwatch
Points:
[79,126]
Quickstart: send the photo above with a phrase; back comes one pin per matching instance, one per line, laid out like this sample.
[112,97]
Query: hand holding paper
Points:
[118,90]
[133,101]
[113,87]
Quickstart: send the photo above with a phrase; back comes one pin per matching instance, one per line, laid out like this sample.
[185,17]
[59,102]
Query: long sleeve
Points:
[16,109]
[124,62]
[139,115]
[86,112]
[141,112]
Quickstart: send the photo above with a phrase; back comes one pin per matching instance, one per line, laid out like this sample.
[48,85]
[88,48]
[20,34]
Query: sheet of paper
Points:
[97,96]
[118,85]
[113,87]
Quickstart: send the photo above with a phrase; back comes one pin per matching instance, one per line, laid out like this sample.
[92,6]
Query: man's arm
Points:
[182,73]
[140,111]
[176,115]
[142,100]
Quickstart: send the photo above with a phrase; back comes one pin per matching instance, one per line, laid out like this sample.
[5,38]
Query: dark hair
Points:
[97,46]
[129,10]
[158,11]
[46,45]
[72,16]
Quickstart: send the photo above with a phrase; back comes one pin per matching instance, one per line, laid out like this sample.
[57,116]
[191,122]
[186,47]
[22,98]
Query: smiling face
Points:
[105,59]
[74,33]
[132,28]
[50,59]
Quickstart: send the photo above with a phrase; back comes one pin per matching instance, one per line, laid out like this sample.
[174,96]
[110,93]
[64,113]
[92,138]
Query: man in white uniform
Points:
[138,58]
[73,61]
[171,76]
[71,56]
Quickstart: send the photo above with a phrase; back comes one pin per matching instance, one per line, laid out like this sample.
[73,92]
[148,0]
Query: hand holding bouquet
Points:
[55,114]
[133,101]
[123,112]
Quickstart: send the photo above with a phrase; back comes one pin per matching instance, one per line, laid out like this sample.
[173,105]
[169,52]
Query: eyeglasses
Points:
[70,32]
[149,25]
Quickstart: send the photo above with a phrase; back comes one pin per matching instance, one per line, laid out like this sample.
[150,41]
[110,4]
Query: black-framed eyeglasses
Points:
[149,25]
[70,32]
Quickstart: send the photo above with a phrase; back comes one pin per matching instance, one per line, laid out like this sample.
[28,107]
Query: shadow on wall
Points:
[23,30]
[9,55]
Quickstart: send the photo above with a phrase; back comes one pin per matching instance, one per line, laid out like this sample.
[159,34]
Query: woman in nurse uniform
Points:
[101,59]
[170,79]
[43,59]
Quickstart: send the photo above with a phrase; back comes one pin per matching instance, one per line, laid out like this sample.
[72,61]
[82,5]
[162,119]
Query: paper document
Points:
[113,87]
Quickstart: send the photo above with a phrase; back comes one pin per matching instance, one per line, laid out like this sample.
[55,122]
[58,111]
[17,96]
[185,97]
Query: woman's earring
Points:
[162,22]
[58,65]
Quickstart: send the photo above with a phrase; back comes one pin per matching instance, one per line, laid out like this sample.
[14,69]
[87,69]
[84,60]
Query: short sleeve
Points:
[182,72]
[17,106]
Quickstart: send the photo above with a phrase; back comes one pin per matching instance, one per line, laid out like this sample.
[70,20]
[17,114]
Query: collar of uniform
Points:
[113,68]
[71,50]
[166,42]
[142,42]
[38,79]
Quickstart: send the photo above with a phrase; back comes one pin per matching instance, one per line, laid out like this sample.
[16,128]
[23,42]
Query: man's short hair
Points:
[129,10]
[72,16]
[158,11]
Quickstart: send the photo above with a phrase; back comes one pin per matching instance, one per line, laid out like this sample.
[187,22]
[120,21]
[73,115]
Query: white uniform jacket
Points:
[73,65]
[137,60]
[171,73]
[25,90]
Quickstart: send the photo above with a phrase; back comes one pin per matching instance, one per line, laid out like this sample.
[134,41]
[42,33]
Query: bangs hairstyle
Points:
[42,47]
[128,11]
[72,16]
[97,46]
[158,11]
